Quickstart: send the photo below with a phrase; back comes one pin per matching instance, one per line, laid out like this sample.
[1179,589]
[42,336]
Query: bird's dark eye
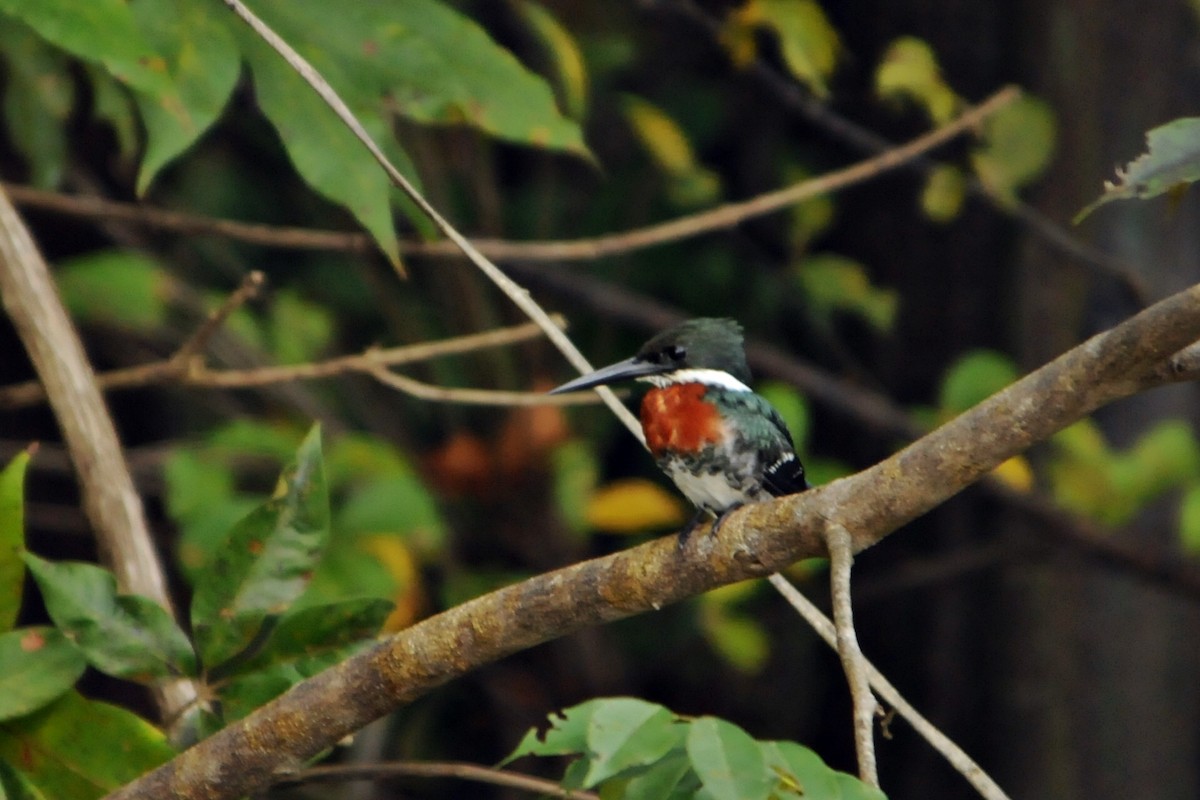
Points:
[675,352]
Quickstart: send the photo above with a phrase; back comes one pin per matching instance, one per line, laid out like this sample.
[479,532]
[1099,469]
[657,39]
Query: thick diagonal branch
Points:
[756,541]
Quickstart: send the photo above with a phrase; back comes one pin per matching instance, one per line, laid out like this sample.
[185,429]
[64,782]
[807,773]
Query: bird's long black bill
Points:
[621,371]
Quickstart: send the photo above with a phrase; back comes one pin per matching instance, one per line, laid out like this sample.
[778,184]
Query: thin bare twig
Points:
[963,763]
[841,558]
[434,769]
[196,343]
[719,218]
[194,373]
[476,397]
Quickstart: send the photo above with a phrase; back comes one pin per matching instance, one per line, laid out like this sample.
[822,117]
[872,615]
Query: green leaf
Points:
[203,62]
[566,59]
[126,636]
[300,330]
[320,630]
[324,151]
[1189,521]
[15,786]
[103,31]
[834,283]
[115,287]
[39,95]
[1017,145]
[624,733]
[114,105]
[800,770]
[12,538]
[567,734]
[671,778]
[80,749]
[1172,160]
[36,666]
[944,193]
[267,562]
[909,72]
[975,377]
[395,504]
[809,44]
[575,471]
[728,761]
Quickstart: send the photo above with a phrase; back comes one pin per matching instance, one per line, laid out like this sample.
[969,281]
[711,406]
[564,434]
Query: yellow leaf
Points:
[634,505]
[398,561]
[569,67]
[944,193]
[909,72]
[1017,145]
[1015,472]
[663,139]
[808,42]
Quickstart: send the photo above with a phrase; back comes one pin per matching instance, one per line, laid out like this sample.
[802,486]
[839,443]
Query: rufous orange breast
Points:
[676,418]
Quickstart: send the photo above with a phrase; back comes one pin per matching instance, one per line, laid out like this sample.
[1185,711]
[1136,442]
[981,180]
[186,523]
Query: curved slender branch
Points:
[963,763]
[756,541]
[719,218]
[841,558]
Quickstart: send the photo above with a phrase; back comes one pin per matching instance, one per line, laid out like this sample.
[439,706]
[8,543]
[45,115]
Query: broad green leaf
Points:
[15,786]
[975,377]
[1016,146]
[12,538]
[319,630]
[809,44]
[566,59]
[267,562]
[1172,160]
[36,666]
[115,287]
[39,95]
[944,193]
[1166,456]
[323,150]
[834,283]
[350,569]
[728,761]
[203,63]
[634,505]
[671,778]
[126,636]
[800,771]
[1189,521]
[567,734]
[792,406]
[103,31]
[624,733]
[851,788]
[81,749]
[909,72]
[434,63]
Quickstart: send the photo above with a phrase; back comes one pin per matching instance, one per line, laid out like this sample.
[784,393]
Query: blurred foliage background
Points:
[1048,625]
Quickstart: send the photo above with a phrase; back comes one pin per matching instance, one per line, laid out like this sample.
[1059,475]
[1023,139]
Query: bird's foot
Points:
[720,520]
[692,524]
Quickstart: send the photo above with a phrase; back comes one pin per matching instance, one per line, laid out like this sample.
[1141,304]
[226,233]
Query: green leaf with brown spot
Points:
[267,562]
[1171,160]
[36,666]
[126,636]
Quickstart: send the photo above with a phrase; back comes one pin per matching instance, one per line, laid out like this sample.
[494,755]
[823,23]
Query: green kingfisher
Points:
[722,444]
